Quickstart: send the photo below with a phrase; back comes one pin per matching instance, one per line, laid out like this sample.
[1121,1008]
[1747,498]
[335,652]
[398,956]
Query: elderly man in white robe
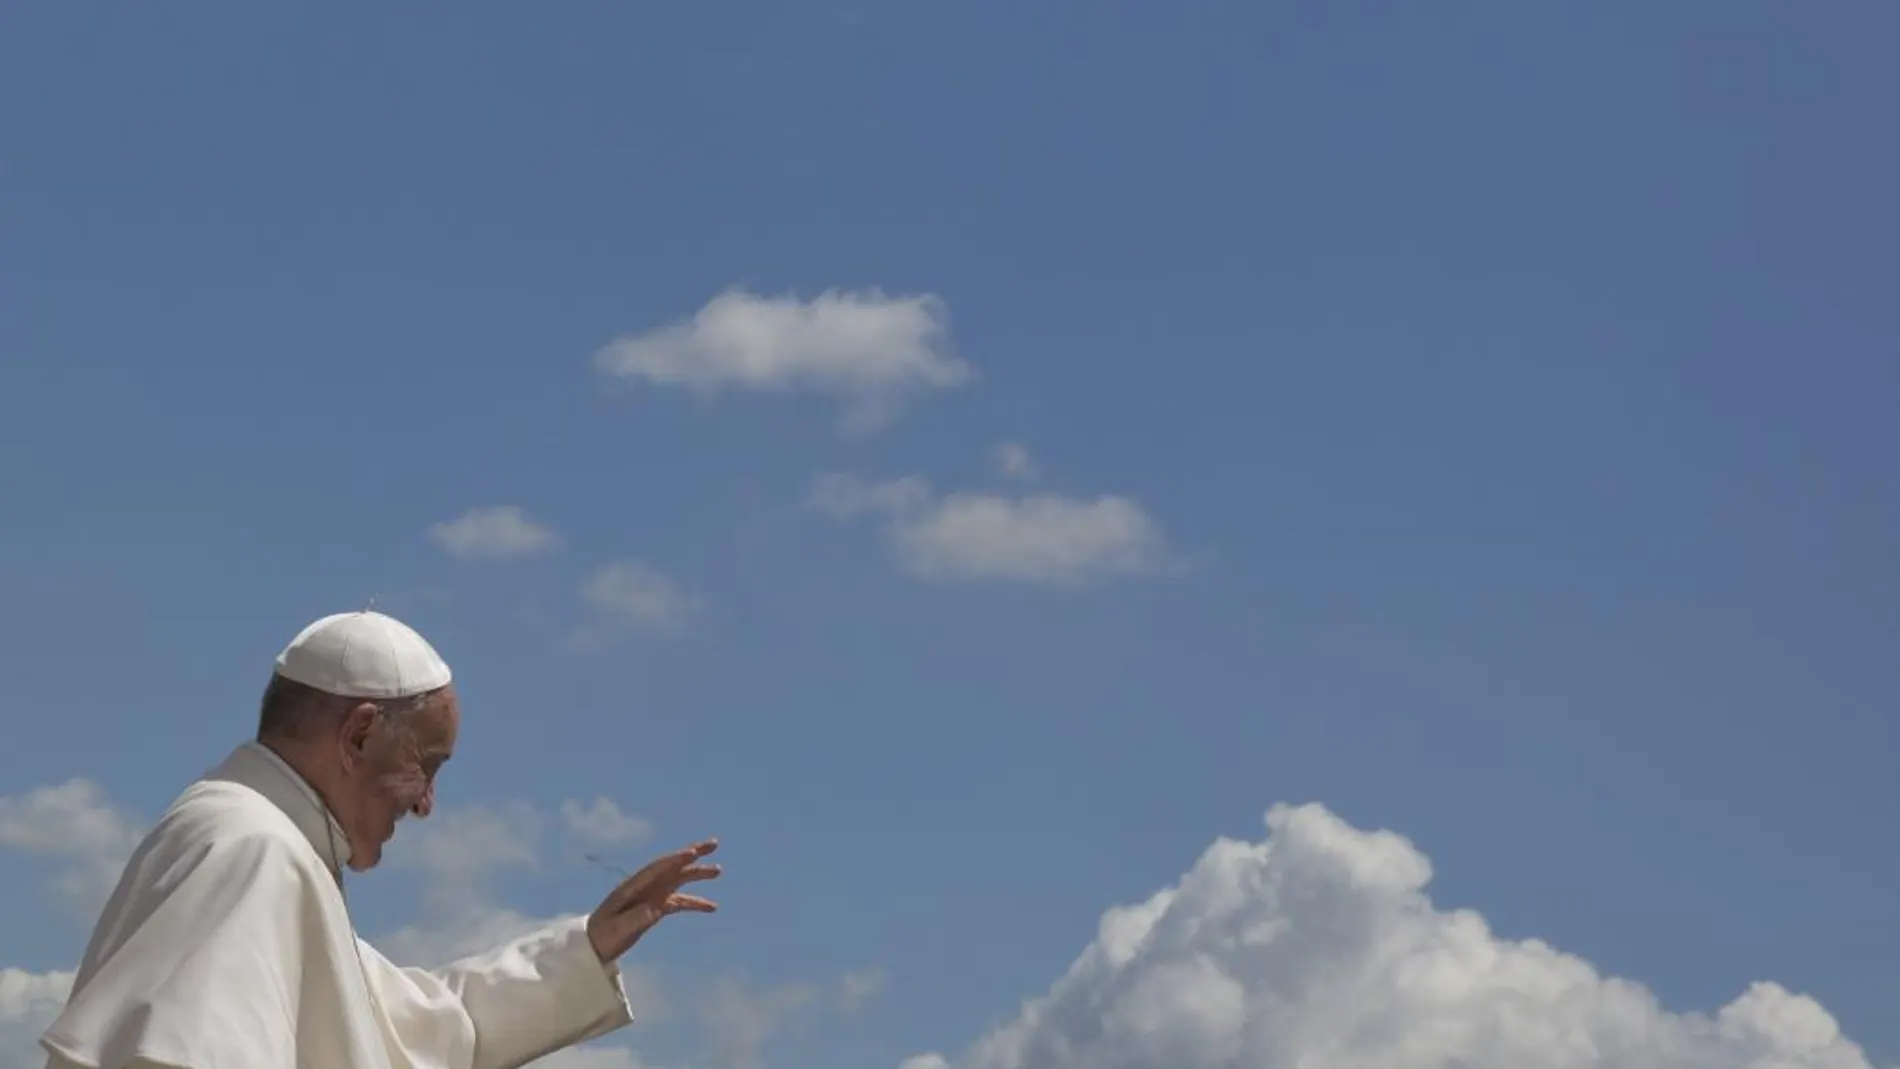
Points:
[228,943]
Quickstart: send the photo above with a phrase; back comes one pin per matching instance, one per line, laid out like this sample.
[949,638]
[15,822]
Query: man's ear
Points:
[354,738]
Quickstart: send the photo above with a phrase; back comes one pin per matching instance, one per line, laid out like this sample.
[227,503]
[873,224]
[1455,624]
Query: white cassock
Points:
[227,945]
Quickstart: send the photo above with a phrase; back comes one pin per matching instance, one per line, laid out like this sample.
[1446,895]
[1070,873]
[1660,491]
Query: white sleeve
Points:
[524,999]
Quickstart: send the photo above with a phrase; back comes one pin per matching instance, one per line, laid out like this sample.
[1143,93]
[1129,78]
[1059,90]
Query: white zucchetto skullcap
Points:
[363,655]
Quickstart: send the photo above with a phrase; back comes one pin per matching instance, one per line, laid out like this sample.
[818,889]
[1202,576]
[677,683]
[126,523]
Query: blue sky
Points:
[1478,422]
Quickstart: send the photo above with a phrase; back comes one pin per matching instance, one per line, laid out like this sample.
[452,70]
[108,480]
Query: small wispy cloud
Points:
[493,531]
[601,823]
[846,497]
[859,988]
[633,591]
[1041,538]
[1013,461]
[875,352]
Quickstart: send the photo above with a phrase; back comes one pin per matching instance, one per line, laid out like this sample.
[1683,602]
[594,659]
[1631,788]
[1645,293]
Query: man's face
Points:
[397,775]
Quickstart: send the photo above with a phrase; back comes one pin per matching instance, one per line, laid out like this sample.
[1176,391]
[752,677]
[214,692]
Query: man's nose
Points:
[425,804]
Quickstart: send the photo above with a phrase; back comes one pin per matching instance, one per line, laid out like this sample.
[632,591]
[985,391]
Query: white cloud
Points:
[28,1003]
[75,824]
[873,351]
[24,995]
[1046,539]
[601,822]
[1039,538]
[497,531]
[1319,946]
[635,592]
[1012,460]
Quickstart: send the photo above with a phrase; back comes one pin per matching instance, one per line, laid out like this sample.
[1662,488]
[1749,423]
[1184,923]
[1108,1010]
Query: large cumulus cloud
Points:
[1318,947]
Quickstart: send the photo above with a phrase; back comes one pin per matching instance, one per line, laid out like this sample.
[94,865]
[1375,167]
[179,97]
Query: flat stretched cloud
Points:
[1039,538]
[634,591]
[495,531]
[1043,539]
[1318,946]
[874,352]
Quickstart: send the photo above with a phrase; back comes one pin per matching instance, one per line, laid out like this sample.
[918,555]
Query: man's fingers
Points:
[678,860]
[665,869]
[697,850]
[690,904]
[664,890]
[649,896]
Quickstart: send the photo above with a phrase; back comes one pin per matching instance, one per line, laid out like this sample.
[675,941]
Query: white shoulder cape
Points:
[227,945]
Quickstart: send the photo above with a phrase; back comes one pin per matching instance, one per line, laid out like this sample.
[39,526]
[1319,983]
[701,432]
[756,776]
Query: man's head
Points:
[363,707]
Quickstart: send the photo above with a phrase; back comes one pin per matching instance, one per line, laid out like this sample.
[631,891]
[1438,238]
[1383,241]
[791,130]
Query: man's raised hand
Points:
[638,903]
